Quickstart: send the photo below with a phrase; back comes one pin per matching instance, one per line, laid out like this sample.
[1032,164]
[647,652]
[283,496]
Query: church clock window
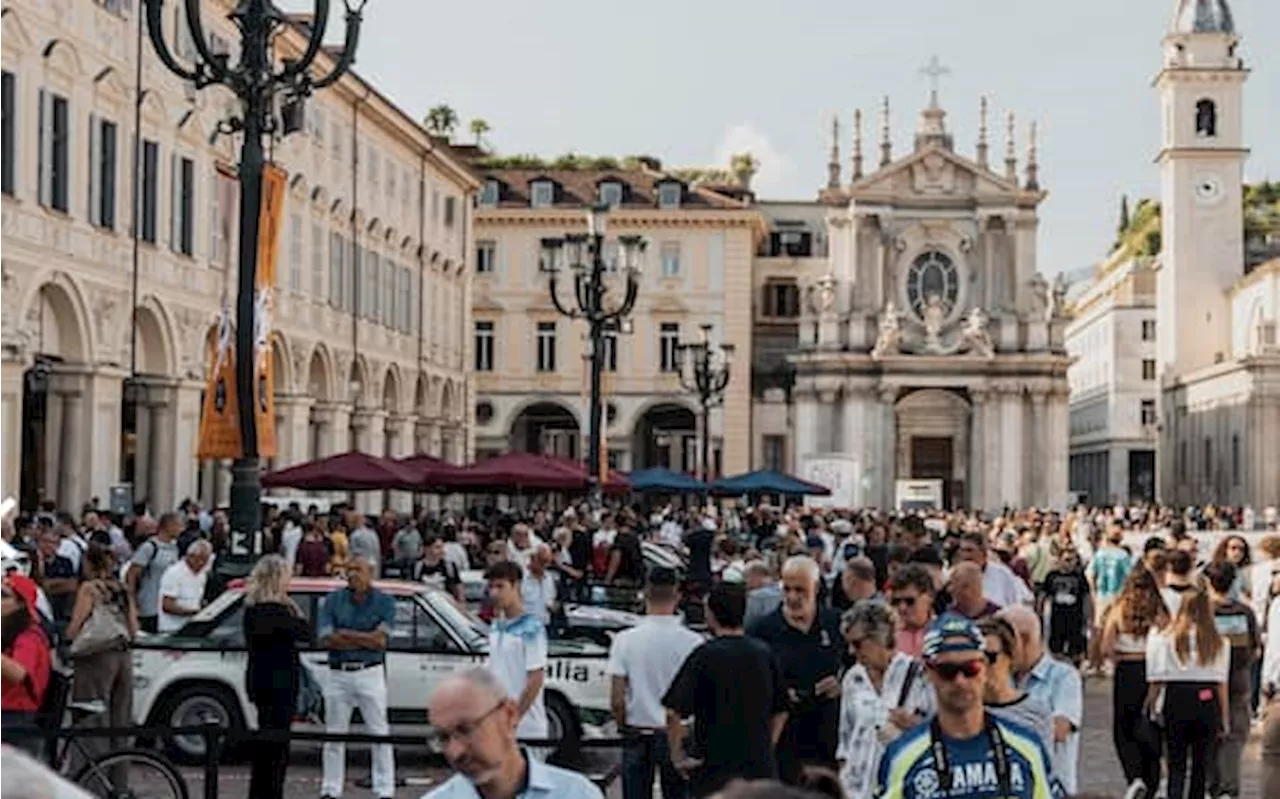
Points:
[1206,119]
[932,274]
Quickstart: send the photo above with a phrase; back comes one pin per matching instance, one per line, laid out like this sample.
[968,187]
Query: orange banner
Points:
[219,415]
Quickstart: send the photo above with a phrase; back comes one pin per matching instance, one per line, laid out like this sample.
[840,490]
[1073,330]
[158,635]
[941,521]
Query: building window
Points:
[1235,459]
[373,166]
[611,193]
[669,346]
[337,269]
[670,254]
[1206,119]
[1148,412]
[546,346]
[295,253]
[371,296]
[794,243]
[781,300]
[8,129]
[610,347]
[390,288]
[316,123]
[542,194]
[317,260]
[1148,330]
[183,206]
[932,274]
[450,203]
[669,195]
[775,453]
[609,255]
[392,171]
[151,192]
[1148,369]
[484,346]
[114,6]
[55,148]
[1208,459]
[222,222]
[486,257]
[102,173]
[491,193]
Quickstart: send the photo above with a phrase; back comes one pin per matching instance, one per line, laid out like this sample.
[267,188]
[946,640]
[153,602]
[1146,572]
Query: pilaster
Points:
[978,398]
[1012,422]
[399,444]
[806,410]
[1038,450]
[888,441]
[293,415]
[11,395]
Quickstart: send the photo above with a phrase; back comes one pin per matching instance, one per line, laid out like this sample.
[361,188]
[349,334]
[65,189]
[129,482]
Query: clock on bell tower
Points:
[1202,173]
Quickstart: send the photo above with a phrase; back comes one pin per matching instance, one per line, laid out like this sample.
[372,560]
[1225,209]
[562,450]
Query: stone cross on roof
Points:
[934,71]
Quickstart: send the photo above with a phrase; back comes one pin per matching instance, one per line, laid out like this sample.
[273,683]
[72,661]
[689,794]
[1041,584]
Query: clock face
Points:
[1208,189]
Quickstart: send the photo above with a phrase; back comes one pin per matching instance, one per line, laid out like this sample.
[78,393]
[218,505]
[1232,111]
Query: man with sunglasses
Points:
[964,752]
[475,728]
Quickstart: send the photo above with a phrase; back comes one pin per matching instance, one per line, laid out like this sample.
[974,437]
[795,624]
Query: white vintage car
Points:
[197,675]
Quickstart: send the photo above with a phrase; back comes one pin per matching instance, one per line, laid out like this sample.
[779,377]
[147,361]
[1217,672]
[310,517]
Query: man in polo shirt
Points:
[806,640]
[517,649]
[353,624]
[642,663]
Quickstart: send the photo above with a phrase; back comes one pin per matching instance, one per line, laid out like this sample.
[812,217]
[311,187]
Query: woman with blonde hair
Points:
[1187,669]
[273,628]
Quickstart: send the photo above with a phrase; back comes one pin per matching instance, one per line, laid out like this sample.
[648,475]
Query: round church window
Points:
[932,274]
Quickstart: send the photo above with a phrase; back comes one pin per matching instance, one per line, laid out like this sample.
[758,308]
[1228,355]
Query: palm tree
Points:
[479,127]
[744,167]
[440,121]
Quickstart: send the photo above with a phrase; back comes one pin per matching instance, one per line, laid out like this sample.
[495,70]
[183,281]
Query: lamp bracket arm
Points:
[348,57]
[213,65]
[319,22]
[155,31]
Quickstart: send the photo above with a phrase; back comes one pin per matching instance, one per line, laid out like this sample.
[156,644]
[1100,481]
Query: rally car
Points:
[197,674]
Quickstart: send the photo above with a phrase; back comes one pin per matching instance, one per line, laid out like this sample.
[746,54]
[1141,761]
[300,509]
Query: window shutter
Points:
[189,213]
[95,164]
[175,200]
[44,121]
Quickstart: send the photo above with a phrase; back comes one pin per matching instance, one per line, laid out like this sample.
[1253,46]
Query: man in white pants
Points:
[353,624]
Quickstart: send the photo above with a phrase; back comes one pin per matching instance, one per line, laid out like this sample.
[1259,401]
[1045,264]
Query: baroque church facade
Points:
[1217,311]
[932,348]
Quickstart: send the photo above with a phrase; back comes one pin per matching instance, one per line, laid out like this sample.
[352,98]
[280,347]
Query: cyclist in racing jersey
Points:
[964,752]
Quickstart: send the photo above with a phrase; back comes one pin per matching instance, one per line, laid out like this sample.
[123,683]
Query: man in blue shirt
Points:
[353,624]
[475,727]
[964,752]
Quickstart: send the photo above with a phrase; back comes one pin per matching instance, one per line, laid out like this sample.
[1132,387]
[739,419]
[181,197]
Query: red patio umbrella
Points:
[346,471]
[614,481]
[432,472]
[520,471]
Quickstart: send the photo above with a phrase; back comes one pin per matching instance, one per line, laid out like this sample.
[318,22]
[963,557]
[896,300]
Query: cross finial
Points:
[934,71]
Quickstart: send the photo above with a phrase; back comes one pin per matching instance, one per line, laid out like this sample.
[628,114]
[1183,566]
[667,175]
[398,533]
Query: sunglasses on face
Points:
[950,671]
[904,601]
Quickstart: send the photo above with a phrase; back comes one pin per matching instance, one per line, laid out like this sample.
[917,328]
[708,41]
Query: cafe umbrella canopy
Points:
[346,471]
[664,481]
[524,471]
[767,481]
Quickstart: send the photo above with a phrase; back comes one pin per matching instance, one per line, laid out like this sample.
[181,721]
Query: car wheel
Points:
[562,723]
[194,705]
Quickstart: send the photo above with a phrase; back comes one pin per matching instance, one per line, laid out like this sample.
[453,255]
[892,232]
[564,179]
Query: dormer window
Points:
[611,193]
[669,194]
[542,194]
[491,193]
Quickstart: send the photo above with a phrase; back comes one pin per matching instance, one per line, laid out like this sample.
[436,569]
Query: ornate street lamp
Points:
[257,81]
[704,371]
[584,255]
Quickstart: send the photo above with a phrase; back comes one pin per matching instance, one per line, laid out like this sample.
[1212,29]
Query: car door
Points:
[313,657]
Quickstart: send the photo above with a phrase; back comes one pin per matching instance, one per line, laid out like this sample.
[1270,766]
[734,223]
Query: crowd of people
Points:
[861,653]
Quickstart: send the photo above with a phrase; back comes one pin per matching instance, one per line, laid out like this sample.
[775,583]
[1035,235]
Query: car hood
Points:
[574,648]
[598,616]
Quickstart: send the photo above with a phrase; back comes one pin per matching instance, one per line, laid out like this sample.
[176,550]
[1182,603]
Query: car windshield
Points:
[472,630]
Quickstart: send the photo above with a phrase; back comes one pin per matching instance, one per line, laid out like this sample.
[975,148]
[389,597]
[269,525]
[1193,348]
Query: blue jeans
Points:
[641,755]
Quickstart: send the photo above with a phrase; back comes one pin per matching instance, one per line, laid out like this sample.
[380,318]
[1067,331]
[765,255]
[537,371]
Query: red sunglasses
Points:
[949,671]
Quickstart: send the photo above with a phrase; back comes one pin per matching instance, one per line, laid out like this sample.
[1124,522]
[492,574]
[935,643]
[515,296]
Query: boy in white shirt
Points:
[517,649]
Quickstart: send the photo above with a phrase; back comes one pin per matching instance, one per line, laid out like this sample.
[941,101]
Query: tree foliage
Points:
[441,121]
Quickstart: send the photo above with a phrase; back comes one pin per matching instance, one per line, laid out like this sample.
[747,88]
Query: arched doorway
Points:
[546,427]
[144,394]
[318,384]
[666,436]
[933,440]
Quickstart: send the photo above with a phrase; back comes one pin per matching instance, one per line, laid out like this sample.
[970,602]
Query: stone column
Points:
[400,445]
[11,396]
[1037,451]
[158,449]
[1057,478]
[859,422]
[887,471]
[293,445]
[1012,465]
[186,427]
[806,410]
[977,482]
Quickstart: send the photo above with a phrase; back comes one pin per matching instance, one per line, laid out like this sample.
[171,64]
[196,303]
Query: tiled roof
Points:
[579,188]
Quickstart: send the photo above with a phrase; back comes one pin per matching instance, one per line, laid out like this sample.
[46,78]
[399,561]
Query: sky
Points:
[693,81]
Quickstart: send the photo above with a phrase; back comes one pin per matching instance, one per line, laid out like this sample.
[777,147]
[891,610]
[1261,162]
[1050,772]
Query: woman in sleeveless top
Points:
[1136,613]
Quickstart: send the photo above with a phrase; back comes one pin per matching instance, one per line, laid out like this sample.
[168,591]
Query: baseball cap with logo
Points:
[951,632]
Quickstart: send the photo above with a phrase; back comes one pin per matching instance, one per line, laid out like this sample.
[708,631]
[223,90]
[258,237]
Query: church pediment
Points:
[932,172]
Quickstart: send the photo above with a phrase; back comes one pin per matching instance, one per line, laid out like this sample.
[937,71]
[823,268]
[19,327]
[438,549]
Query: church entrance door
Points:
[933,458]
[933,440]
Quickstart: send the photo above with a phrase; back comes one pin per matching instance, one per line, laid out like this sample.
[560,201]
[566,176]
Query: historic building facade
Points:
[932,348]
[528,360]
[1111,339]
[373,302]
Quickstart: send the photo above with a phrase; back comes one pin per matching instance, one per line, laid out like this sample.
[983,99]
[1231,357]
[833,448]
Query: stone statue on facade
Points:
[1059,294]
[934,314]
[975,336]
[889,339]
[824,295]
[1041,298]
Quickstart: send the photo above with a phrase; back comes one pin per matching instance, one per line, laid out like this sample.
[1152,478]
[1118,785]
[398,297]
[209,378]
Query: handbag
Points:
[104,631]
[309,701]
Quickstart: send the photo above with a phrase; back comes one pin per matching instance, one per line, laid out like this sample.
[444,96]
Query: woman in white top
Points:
[1271,690]
[884,694]
[1188,663]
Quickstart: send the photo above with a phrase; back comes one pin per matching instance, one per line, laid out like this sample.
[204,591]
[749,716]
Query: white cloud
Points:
[774,164]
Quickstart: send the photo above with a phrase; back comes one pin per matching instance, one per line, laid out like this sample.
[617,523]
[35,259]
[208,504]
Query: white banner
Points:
[838,473]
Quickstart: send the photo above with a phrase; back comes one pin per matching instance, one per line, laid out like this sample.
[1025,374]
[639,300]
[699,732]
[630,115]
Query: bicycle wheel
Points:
[146,775]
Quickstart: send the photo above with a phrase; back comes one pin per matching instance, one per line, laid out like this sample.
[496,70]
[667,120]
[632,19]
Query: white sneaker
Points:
[1137,790]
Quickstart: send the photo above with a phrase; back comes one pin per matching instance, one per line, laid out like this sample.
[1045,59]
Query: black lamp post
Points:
[257,82]
[584,254]
[704,371]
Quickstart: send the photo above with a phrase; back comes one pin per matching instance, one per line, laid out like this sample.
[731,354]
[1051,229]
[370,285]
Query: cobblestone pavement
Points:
[1099,770]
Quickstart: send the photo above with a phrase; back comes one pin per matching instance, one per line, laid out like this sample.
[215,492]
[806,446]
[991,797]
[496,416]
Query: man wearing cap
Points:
[964,752]
[642,663]
[25,662]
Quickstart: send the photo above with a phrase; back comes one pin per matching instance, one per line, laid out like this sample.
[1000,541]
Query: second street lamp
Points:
[704,372]
[257,83]
[584,256]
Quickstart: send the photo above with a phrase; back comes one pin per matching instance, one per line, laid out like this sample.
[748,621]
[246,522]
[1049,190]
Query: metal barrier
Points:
[217,738]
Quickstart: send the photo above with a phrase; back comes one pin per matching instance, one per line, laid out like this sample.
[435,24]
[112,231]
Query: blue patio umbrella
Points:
[767,481]
[664,481]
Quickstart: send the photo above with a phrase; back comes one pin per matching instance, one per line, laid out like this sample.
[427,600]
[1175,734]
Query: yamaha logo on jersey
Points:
[968,779]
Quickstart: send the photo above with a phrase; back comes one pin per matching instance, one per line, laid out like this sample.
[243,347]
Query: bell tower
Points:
[1201,162]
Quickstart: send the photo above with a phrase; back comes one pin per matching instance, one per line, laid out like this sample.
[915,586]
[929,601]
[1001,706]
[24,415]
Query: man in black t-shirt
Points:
[435,571]
[733,687]
[1066,591]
